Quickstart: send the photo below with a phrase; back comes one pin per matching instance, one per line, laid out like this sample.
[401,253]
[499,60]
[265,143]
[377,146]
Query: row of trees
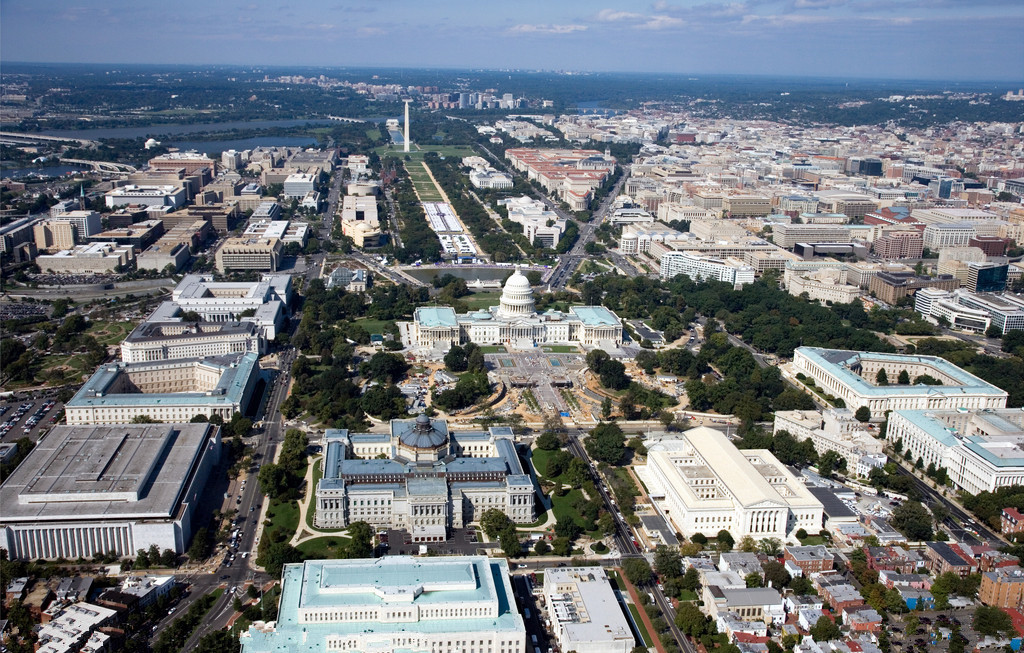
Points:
[485,230]
[419,242]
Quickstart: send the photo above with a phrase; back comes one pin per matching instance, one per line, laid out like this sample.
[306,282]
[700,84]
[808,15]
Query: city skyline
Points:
[887,39]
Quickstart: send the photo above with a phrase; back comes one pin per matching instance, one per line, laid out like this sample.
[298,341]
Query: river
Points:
[157,131]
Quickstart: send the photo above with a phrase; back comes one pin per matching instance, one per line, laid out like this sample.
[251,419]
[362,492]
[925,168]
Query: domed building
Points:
[515,323]
[421,477]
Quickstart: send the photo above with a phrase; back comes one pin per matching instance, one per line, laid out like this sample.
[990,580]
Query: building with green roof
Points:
[452,604]
[515,323]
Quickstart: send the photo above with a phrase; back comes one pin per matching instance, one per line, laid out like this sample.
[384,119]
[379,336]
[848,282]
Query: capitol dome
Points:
[516,296]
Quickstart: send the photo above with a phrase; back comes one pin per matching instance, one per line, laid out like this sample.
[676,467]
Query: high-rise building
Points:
[986,277]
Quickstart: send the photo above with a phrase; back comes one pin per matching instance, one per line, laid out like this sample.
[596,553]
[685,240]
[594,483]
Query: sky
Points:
[890,39]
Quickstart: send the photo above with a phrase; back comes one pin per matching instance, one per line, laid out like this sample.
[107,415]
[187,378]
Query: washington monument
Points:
[406,125]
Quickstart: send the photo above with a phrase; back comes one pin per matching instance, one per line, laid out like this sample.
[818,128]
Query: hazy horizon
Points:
[904,40]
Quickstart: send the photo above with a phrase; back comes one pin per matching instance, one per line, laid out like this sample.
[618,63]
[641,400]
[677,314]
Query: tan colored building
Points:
[359,220]
[738,206]
[263,254]
[890,287]
[54,235]
[1002,588]
[189,161]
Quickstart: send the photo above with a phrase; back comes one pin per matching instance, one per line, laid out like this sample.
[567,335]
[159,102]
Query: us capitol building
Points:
[515,323]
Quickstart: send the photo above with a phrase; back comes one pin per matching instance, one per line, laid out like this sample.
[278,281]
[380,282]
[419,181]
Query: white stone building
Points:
[834,430]
[852,376]
[515,323]
[981,450]
[703,484]
[421,477]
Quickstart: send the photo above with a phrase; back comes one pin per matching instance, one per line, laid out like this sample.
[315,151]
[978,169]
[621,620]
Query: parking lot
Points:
[28,418]
[463,541]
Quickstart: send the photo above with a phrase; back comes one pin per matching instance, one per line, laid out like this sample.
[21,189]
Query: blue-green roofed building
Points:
[453,604]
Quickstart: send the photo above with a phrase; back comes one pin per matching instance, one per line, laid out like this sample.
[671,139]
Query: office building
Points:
[788,235]
[951,234]
[833,430]
[854,205]
[166,391]
[93,258]
[981,449]
[515,323]
[541,226]
[54,235]
[158,341]
[262,254]
[702,483]
[189,162]
[450,604]
[942,307]
[702,268]
[899,244]
[938,215]
[216,301]
[570,175]
[986,277]
[583,611]
[153,195]
[163,254]
[738,206]
[89,490]
[991,245]
[823,285]
[285,230]
[422,478]
[298,185]
[853,377]
[1006,311]
[359,220]
[891,287]
[138,236]
[87,223]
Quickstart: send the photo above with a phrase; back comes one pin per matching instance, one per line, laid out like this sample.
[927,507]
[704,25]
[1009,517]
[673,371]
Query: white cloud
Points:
[639,21]
[546,29]
[662,22]
[612,16]
[818,4]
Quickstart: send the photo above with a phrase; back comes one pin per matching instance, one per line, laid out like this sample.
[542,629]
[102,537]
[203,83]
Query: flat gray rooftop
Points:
[106,471]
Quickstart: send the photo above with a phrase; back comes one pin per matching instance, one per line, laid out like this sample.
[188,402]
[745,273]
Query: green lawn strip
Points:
[373,326]
[493,349]
[480,300]
[311,490]
[560,349]
[812,540]
[323,548]
[687,595]
[540,461]
[641,626]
